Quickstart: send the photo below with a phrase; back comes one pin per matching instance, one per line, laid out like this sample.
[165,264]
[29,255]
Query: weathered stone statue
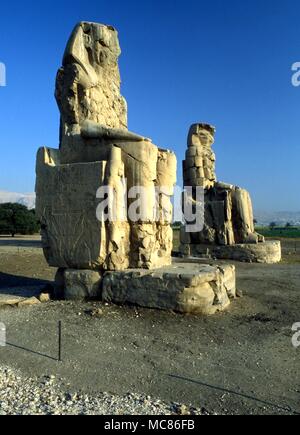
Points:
[96,149]
[123,259]
[228,230]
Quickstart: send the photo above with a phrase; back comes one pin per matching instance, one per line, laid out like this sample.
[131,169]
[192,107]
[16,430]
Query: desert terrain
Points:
[237,362]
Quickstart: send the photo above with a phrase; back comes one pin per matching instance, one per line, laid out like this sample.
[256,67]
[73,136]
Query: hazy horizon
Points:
[226,63]
[7,196]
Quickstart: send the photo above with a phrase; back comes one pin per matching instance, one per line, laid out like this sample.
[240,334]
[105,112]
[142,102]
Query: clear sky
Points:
[226,62]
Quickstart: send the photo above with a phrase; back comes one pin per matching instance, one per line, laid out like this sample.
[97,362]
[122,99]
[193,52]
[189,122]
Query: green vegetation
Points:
[288,232]
[176,239]
[176,225]
[274,231]
[17,219]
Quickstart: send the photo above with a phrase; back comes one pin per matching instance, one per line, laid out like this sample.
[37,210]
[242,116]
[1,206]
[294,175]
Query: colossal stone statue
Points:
[96,149]
[228,230]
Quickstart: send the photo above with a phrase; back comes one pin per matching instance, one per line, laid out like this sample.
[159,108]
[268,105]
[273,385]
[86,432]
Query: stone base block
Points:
[77,285]
[267,252]
[182,287]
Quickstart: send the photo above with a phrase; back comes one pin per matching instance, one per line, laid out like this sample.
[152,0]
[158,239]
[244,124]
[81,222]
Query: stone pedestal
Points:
[182,287]
[266,252]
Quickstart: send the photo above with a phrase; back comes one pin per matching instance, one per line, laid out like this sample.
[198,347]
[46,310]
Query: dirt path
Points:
[238,362]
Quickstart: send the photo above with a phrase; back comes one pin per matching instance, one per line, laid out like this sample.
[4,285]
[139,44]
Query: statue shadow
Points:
[21,285]
[24,287]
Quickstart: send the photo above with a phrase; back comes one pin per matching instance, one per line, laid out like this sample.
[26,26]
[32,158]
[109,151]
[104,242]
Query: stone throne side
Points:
[228,231]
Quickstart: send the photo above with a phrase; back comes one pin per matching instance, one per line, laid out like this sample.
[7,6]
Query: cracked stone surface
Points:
[97,150]
[182,287]
[228,222]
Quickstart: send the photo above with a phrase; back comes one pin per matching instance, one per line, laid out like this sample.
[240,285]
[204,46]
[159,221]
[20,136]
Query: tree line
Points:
[17,219]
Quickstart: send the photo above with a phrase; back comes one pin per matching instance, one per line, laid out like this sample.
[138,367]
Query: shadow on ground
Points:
[236,393]
[8,284]
[33,352]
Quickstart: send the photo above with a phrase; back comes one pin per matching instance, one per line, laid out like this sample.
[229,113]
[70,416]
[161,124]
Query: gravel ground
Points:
[239,362]
[32,396]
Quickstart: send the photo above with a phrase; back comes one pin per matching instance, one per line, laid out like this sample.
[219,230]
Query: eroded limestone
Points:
[183,287]
[97,150]
[228,230]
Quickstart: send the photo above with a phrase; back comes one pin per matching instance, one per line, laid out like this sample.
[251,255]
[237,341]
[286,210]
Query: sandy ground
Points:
[238,362]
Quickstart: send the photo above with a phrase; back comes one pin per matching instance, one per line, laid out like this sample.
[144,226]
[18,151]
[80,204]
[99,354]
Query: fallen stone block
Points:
[28,302]
[9,300]
[81,284]
[44,297]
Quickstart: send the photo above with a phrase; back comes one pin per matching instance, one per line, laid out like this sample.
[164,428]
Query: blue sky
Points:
[226,62]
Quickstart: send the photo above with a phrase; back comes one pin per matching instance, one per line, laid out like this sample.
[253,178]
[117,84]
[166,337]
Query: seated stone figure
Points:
[96,149]
[88,88]
[228,215]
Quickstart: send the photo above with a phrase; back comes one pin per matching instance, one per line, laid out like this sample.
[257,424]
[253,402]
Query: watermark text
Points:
[296,336]
[118,203]
[2,74]
[2,335]
[296,75]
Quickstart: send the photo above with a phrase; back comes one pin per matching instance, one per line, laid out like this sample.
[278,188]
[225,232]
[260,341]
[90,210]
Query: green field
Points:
[280,232]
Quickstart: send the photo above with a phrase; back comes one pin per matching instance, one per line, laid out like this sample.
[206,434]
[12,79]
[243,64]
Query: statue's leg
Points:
[243,217]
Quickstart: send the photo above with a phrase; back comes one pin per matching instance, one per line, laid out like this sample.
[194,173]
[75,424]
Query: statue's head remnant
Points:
[199,165]
[93,44]
[201,135]
[88,83]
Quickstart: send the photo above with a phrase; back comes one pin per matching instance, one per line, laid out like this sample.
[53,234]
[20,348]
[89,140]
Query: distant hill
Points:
[280,217]
[27,199]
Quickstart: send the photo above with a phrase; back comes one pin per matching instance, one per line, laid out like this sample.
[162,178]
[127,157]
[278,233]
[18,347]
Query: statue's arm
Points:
[92,130]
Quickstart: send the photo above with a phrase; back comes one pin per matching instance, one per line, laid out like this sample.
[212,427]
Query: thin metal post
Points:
[59,341]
